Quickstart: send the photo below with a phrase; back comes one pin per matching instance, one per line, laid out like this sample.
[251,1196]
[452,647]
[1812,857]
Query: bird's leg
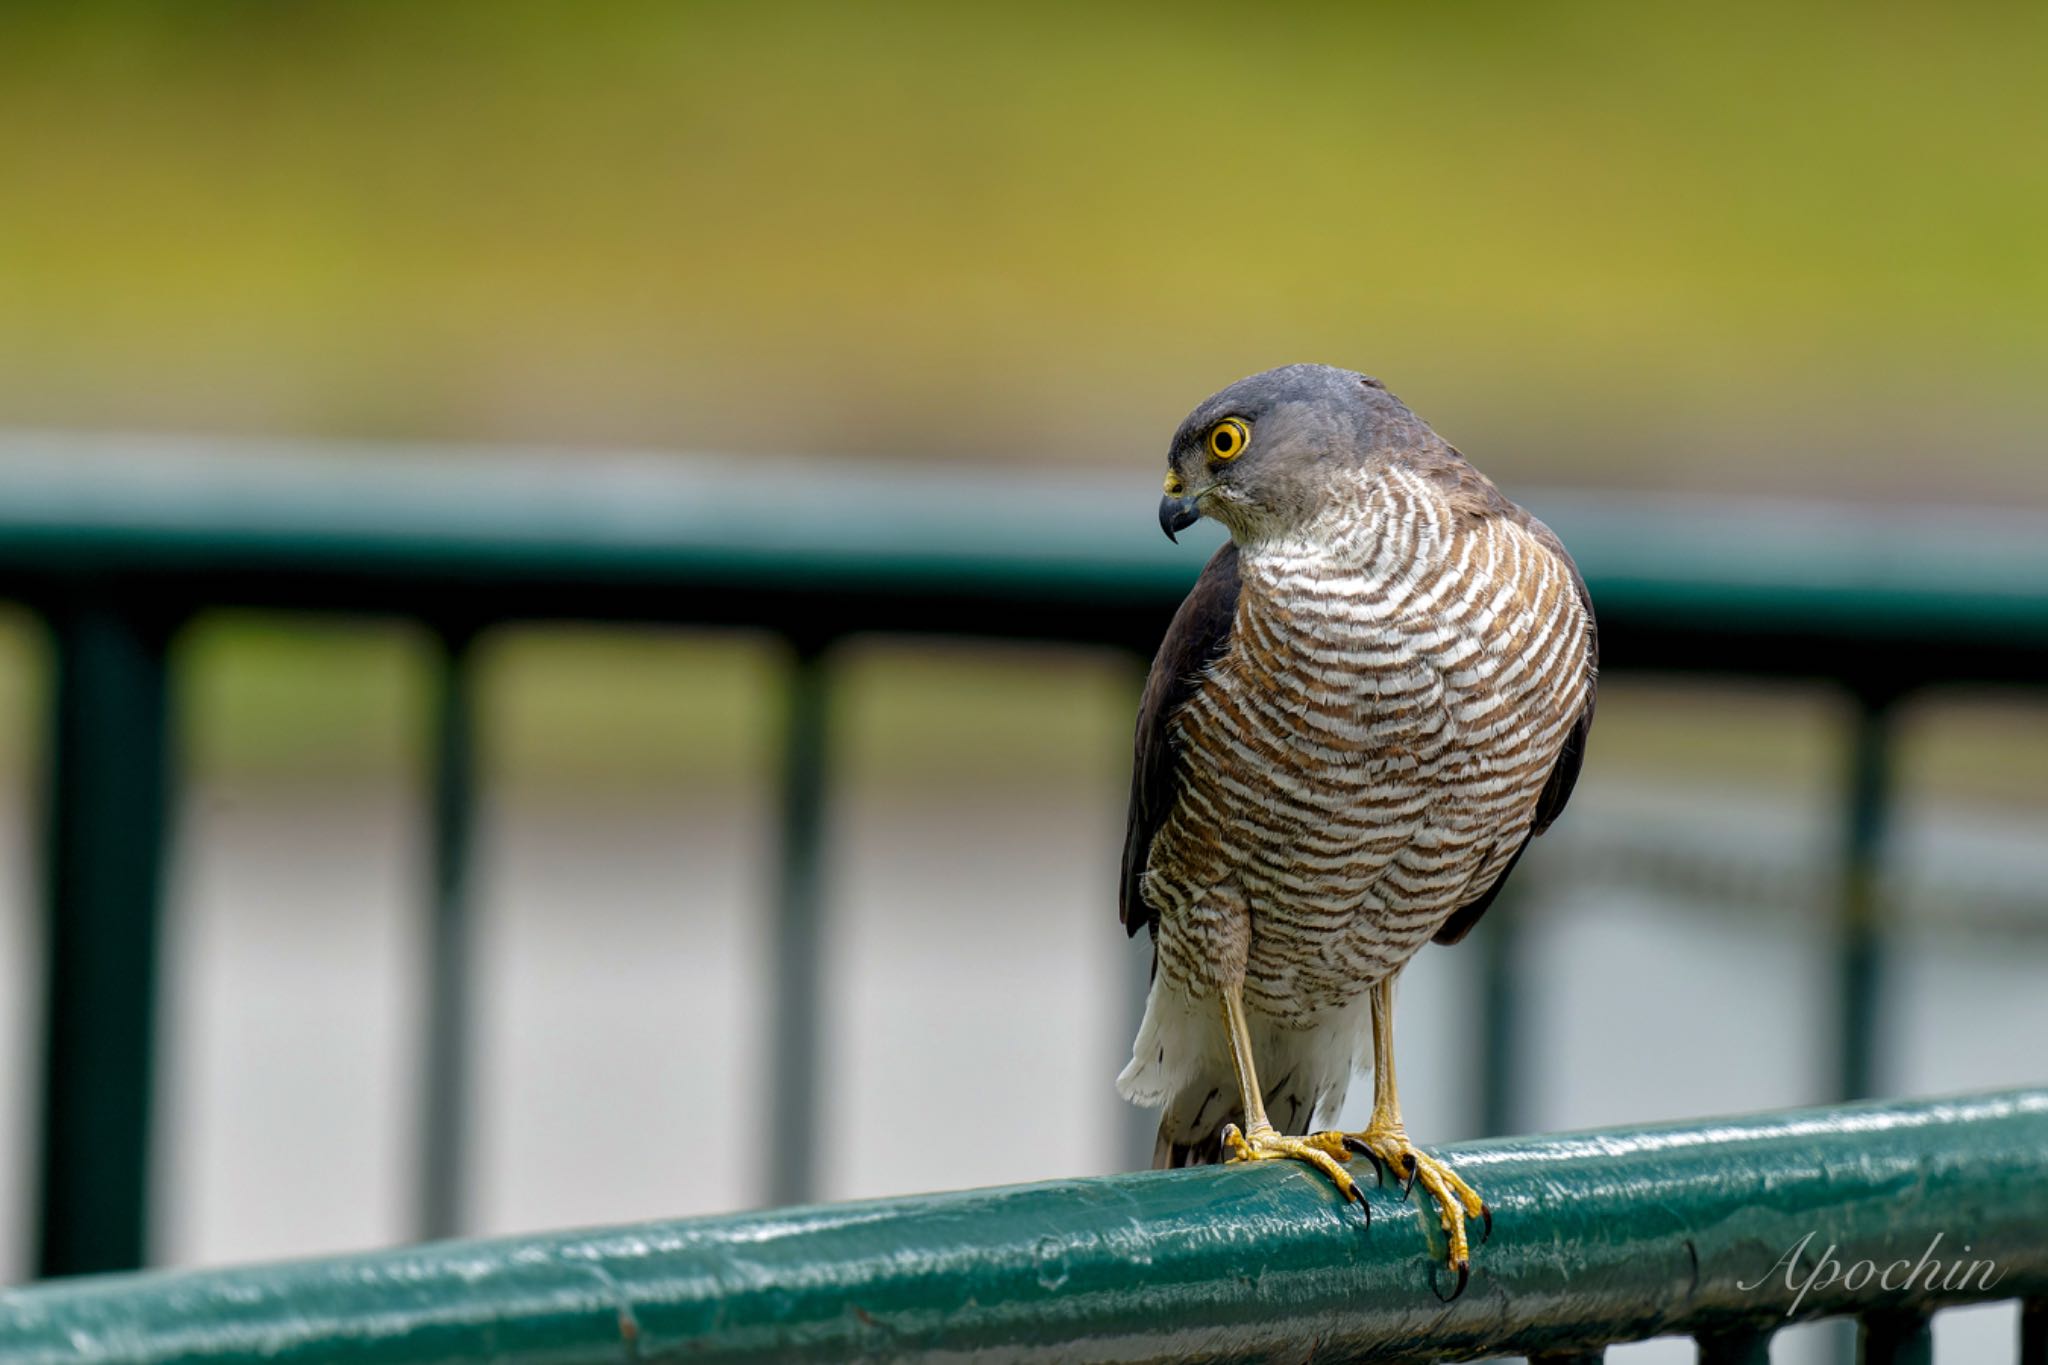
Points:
[1260,1141]
[1386,1142]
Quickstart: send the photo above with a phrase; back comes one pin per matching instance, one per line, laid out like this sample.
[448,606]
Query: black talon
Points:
[1486,1212]
[1408,1164]
[1379,1168]
[1464,1278]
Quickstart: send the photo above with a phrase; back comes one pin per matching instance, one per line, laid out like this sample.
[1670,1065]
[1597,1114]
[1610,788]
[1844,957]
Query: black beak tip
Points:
[1177,514]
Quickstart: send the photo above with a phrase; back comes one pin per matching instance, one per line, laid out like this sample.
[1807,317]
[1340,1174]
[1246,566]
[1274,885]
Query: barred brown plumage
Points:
[1377,693]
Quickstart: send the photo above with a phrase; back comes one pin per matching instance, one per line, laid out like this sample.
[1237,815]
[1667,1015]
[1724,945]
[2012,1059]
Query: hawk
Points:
[1375,695]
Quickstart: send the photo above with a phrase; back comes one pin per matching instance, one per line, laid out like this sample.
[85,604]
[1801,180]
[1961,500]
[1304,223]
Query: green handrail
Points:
[835,547]
[1724,1230]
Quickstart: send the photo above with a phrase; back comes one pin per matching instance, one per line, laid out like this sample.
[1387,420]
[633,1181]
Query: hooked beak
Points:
[1177,514]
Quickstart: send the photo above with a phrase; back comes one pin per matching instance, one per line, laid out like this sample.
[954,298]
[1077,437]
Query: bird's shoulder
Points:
[1469,495]
[1197,638]
[1474,500]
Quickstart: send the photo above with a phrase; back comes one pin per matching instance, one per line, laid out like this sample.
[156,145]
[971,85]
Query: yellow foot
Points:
[1390,1150]
[1265,1143]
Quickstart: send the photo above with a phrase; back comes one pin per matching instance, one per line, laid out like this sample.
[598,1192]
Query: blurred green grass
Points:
[1745,246]
[1751,247]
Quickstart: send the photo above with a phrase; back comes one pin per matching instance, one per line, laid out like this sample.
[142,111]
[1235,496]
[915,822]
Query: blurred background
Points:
[1756,251]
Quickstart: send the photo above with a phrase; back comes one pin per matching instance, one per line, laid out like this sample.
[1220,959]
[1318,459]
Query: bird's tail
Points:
[1180,1064]
[1170,1154]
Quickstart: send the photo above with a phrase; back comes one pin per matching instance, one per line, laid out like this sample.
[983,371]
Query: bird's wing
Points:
[1564,774]
[1196,639]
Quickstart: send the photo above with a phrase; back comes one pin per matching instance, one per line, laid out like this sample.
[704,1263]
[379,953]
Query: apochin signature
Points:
[1929,1272]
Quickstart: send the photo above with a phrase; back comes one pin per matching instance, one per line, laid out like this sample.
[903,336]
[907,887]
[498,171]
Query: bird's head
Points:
[1261,455]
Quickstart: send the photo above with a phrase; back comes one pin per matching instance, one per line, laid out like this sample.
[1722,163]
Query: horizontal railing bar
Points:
[821,548]
[1599,1237]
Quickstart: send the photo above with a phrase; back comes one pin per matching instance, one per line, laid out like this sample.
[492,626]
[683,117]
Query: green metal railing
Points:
[118,547]
[1724,1232]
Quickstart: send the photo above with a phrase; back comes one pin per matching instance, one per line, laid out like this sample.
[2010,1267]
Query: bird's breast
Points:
[1391,700]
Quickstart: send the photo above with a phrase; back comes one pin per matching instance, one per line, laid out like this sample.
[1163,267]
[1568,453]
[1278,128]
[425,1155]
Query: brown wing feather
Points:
[1197,638]
[1565,774]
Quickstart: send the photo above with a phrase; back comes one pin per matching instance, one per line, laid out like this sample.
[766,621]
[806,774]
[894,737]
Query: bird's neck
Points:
[1348,528]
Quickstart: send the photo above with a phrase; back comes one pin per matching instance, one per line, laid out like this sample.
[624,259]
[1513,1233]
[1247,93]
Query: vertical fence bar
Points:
[1896,1339]
[1739,1346]
[1500,1066]
[2034,1332]
[1859,928]
[109,789]
[794,1027]
[441,1199]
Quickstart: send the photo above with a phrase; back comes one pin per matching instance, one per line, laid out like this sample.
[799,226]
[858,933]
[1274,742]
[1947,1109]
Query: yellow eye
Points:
[1228,438]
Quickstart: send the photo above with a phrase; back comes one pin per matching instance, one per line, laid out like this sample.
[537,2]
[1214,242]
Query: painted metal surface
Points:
[449,941]
[1599,1237]
[796,976]
[1739,1346]
[1895,1338]
[1859,926]
[106,813]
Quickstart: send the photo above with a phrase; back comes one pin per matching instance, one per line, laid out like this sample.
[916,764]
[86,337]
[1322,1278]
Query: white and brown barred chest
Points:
[1368,752]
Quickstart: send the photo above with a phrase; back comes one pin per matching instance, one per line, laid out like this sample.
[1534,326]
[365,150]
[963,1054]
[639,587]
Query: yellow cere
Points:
[1174,486]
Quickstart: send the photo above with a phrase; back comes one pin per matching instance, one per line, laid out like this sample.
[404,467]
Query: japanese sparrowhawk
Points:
[1376,694]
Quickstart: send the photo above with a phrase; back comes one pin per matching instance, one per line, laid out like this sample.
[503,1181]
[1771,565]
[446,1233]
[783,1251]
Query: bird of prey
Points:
[1375,695]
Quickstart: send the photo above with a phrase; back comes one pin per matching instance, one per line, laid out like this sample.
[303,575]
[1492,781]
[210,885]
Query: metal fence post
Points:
[445,1079]
[1859,931]
[1502,1014]
[108,794]
[1735,1346]
[1896,1338]
[794,1028]
[1858,925]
